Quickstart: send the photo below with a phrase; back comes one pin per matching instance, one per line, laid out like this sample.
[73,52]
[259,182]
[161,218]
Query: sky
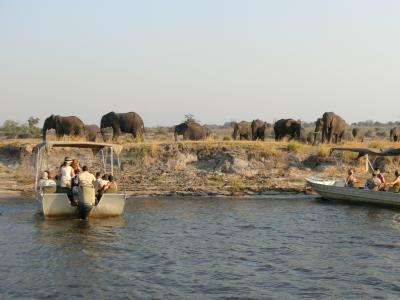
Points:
[220,60]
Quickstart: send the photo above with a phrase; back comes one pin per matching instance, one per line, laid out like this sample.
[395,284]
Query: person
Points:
[350,179]
[379,174]
[111,186]
[395,184]
[46,184]
[75,165]
[373,183]
[85,178]
[100,182]
[66,173]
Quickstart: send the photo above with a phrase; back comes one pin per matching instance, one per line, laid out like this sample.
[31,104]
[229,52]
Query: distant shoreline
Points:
[200,169]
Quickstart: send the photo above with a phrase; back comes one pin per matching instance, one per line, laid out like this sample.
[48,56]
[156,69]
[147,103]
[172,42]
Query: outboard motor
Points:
[86,201]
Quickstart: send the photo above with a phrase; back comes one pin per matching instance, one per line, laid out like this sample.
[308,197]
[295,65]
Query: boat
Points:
[336,190]
[59,205]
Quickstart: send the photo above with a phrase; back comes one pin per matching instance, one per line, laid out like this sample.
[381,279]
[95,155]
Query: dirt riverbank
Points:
[208,168]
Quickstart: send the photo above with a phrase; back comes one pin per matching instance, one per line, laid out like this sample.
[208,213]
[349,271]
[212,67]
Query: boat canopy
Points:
[96,147]
[367,151]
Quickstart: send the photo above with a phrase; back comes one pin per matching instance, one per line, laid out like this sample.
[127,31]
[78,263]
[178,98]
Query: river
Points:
[201,248]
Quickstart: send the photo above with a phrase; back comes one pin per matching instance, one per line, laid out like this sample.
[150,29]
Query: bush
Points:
[323,152]
[294,146]
[12,129]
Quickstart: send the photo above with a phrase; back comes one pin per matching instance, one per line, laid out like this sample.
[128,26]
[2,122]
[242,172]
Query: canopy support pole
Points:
[112,161]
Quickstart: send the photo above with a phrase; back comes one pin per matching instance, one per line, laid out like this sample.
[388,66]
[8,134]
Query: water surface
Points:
[203,248]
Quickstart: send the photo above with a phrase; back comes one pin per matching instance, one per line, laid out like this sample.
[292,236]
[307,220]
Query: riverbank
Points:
[206,168]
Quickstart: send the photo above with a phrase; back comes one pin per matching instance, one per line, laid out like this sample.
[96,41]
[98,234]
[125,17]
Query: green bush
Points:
[12,129]
[294,146]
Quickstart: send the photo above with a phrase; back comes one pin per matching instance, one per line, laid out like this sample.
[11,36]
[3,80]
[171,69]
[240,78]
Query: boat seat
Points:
[49,189]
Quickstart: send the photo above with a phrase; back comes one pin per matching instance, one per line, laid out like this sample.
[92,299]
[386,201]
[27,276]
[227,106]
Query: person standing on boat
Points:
[395,184]
[66,173]
[75,165]
[85,178]
[350,180]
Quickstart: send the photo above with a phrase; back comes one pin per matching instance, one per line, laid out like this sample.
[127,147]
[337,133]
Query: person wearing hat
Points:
[66,173]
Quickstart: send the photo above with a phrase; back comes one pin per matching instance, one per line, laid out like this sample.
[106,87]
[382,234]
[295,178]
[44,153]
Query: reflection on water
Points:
[203,248]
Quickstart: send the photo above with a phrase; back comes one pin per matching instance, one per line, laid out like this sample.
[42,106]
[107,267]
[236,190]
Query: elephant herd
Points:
[330,128]
[129,122]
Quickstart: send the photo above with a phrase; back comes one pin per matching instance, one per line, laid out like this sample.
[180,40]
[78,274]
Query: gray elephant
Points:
[129,122]
[395,134]
[191,131]
[358,134]
[287,127]
[63,126]
[258,129]
[306,137]
[242,131]
[92,132]
[332,127]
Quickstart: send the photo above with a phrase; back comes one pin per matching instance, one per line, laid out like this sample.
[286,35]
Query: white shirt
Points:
[65,180]
[99,183]
[86,179]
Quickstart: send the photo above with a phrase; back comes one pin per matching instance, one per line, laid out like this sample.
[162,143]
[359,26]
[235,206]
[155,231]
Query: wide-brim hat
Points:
[68,159]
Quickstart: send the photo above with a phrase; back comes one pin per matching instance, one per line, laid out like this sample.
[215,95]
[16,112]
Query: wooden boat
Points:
[334,190]
[59,205]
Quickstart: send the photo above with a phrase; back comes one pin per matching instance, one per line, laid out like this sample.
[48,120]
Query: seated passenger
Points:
[111,186]
[85,178]
[350,180]
[46,184]
[374,183]
[378,173]
[395,184]
[100,182]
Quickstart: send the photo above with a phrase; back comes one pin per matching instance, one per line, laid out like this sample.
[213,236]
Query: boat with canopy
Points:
[58,204]
[336,190]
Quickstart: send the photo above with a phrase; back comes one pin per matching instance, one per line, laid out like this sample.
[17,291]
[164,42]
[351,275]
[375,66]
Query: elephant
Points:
[287,127]
[63,126]
[191,131]
[92,132]
[395,134]
[358,134]
[242,131]
[258,129]
[129,122]
[332,126]
[306,137]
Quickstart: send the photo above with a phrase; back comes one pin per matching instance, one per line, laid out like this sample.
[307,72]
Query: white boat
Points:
[334,190]
[58,205]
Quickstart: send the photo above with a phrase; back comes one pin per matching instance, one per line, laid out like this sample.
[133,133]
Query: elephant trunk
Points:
[44,134]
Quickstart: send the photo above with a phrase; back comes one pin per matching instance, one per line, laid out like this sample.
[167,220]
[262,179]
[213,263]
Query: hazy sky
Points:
[219,60]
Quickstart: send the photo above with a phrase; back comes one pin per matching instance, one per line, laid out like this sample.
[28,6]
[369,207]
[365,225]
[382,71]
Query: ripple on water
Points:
[203,248]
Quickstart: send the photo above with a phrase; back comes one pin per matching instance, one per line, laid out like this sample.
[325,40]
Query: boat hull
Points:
[58,205]
[356,195]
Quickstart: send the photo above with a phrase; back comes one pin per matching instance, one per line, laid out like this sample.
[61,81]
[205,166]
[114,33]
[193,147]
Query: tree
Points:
[12,129]
[189,118]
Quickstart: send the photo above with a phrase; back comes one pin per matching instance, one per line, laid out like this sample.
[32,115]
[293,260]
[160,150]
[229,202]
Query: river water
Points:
[201,248]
